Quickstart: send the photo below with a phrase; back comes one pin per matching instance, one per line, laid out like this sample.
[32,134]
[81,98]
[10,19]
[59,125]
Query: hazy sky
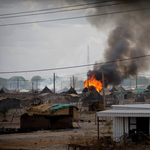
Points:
[47,45]
[54,44]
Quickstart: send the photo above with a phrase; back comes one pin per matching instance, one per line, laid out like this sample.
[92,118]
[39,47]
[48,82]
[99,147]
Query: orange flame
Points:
[93,82]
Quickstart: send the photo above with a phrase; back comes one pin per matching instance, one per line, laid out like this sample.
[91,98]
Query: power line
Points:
[56,8]
[69,10]
[79,17]
[71,67]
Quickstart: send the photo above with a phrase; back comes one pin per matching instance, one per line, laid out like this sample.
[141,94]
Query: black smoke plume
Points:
[129,38]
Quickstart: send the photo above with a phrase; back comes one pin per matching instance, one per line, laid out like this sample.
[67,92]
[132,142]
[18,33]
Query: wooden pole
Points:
[70,81]
[54,83]
[32,87]
[98,127]
[88,82]
[73,83]
[18,84]
[95,115]
[136,81]
[103,87]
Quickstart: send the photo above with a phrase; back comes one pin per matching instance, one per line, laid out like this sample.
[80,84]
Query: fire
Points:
[93,82]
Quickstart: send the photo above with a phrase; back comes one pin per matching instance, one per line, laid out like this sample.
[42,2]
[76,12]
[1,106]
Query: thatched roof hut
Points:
[71,91]
[113,89]
[53,109]
[46,90]
[4,90]
[121,89]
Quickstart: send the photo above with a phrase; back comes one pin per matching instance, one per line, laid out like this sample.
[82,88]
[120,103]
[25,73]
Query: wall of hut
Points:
[67,111]
[45,122]
[11,103]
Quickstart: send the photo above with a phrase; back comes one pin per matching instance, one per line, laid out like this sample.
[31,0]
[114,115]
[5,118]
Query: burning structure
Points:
[128,43]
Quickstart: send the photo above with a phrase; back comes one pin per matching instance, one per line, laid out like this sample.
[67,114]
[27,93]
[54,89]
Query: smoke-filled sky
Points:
[64,43]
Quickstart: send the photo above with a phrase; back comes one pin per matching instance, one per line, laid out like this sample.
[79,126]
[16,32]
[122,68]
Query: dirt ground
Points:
[51,139]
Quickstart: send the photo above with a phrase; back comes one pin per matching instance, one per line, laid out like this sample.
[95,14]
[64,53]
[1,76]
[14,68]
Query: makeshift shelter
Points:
[4,90]
[53,109]
[71,91]
[92,97]
[46,90]
[131,121]
[121,89]
[49,116]
[11,103]
[74,98]
[31,100]
[39,122]
[65,89]
[148,87]
[142,91]
[113,89]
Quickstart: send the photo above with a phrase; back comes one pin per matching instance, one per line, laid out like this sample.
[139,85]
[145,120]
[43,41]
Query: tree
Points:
[36,80]
[16,81]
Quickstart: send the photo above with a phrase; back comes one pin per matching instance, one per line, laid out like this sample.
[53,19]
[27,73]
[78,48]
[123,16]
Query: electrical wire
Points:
[79,17]
[56,8]
[69,10]
[80,66]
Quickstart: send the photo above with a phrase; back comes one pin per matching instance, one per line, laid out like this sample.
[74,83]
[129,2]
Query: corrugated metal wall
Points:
[118,127]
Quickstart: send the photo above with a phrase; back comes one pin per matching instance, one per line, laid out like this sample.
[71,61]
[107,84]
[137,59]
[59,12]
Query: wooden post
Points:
[98,127]
[124,130]
[103,87]
[70,81]
[73,83]
[88,82]
[32,87]
[54,83]
[95,116]
[18,84]
[136,81]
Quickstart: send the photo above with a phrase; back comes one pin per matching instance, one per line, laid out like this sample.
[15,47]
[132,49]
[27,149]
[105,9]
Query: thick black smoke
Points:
[129,38]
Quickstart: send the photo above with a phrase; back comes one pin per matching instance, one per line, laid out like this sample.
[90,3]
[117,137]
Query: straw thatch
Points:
[46,90]
[71,91]
[113,89]
[53,109]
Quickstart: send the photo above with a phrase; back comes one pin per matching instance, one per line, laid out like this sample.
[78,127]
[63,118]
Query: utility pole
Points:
[103,86]
[70,81]
[136,81]
[54,82]
[32,87]
[73,83]
[88,58]
[18,84]
[88,82]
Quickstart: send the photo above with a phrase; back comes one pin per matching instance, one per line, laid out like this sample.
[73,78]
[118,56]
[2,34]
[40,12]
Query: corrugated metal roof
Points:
[124,113]
[132,106]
